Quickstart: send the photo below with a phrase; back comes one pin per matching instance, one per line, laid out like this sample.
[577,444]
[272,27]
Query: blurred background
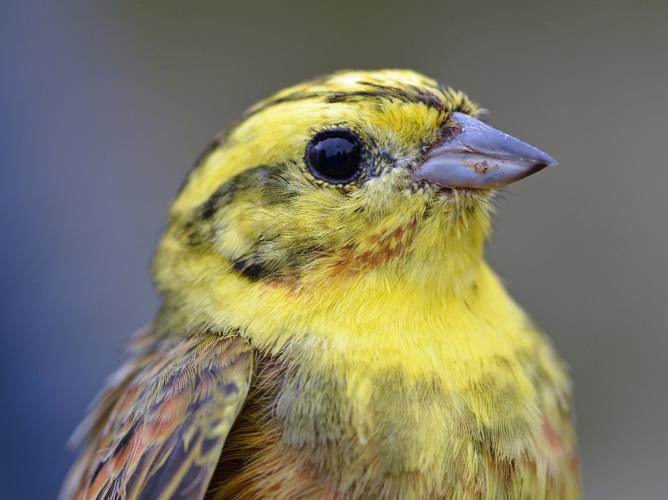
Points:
[105,105]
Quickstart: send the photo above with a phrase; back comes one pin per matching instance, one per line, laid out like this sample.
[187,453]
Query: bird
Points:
[329,326]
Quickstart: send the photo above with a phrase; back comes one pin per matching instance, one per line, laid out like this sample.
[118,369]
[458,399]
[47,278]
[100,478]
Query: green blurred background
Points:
[105,105]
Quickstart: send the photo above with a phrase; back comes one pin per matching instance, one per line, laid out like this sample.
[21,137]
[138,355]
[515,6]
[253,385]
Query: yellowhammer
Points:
[329,327]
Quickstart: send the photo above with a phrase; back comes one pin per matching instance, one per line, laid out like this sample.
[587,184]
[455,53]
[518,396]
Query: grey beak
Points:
[477,156]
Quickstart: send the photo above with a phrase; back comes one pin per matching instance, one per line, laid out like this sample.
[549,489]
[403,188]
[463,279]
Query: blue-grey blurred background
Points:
[105,105]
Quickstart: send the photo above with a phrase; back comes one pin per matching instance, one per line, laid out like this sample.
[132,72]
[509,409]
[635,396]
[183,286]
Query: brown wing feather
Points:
[158,430]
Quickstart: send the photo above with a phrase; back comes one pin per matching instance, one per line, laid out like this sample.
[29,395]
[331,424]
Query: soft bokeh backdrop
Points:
[105,105]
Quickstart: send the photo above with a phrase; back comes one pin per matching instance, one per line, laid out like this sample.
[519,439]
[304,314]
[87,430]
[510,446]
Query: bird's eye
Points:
[334,156]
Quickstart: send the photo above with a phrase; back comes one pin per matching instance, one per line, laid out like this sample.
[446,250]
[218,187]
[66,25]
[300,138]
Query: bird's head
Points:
[358,179]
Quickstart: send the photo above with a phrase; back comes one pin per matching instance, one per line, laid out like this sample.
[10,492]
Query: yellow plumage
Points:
[407,371]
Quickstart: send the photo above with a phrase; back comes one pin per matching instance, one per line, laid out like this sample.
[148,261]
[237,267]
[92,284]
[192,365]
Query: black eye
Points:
[334,155]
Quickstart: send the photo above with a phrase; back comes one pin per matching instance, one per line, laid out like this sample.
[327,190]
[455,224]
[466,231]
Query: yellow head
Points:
[371,180]
[340,227]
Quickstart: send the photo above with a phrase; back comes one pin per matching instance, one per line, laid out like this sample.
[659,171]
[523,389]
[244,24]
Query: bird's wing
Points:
[158,430]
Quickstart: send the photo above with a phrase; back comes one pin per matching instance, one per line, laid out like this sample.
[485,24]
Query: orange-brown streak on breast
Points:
[292,285]
[381,248]
[551,436]
[254,463]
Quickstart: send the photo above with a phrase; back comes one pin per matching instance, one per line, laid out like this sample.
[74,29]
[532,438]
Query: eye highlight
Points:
[334,155]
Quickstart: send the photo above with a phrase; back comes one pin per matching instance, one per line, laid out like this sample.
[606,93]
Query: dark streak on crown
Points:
[409,94]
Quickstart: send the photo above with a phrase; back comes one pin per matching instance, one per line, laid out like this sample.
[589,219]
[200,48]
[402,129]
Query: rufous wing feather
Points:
[158,430]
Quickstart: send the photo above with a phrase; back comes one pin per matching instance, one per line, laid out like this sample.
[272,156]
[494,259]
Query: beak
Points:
[477,156]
